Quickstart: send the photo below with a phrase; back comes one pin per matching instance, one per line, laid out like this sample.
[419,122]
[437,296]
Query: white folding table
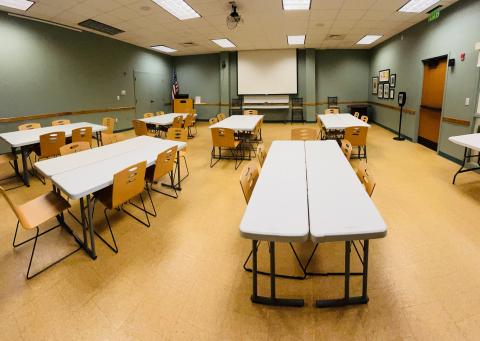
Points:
[239,123]
[469,141]
[339,210]
[25,140]
[277,210]
[340,121]
[81,174]
[163,120]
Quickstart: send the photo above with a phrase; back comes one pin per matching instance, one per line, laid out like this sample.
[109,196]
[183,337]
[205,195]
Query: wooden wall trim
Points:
[66,113]
[456,121]
[394,107]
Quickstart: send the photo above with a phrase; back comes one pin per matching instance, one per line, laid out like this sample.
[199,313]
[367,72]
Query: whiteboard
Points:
[267,72]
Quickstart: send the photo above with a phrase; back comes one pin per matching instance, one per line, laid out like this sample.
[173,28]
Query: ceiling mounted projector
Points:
[233,19]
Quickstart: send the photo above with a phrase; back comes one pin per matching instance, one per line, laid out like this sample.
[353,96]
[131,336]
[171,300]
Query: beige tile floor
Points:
[182,278]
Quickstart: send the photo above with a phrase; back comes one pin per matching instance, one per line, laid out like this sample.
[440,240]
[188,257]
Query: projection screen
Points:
[267,72]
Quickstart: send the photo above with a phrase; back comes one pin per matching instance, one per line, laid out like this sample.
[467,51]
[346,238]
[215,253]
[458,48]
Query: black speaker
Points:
[451,62]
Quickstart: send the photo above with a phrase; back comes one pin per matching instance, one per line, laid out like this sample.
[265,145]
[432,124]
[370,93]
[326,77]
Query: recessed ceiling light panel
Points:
[178,8]
[163,48]
[417,6]
[225,43]
[368,39]
[22,5]
[296,5]
[296,40]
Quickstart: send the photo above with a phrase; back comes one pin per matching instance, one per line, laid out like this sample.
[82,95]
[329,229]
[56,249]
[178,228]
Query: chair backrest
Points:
[140,127]
[108,122]
[164,163]
[223,137]
[366,177]
[177,134]
[347,148]
[356,114]
[332,111]
[248,179]
[364,118]
[332,101]
[112,138]
[128,183]
[304,134]
[189,121]
[213,120]
[250,112]
[221,116]
[177,122]
[50,143]
[160,113]
[356,135]
[82,134]
[148,114]
[297,102]
[60,122]
[261,153]
[19,214]
[74,147]
[29,126]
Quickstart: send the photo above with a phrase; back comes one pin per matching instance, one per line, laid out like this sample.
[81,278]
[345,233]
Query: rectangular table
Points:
[469,141]
[340,121]
[309,190]
[163,120]
[94,170]
[25,140]
[239,123]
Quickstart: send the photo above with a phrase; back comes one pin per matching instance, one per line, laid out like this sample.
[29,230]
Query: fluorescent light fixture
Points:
[163,48]
[417,6]
[17,4]
[368,39]
[296,40]
[178,8]
[296,5]
[225,43]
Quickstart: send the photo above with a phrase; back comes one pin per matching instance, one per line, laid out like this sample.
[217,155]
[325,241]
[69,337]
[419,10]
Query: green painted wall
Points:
[456,31]
[342,73]
[50,69]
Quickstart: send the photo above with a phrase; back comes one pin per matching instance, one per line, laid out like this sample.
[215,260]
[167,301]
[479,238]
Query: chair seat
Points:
[42,208]
[4,158]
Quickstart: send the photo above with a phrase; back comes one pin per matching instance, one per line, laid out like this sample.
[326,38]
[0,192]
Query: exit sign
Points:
[434,15]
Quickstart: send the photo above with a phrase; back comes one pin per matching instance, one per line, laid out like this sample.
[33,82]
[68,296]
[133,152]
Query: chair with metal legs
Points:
[179,134]
[224,138]
[34,213]
[7,159]
[261,154]
[366,177]
[163,166]
[127,184]
[60,122]
[36,148]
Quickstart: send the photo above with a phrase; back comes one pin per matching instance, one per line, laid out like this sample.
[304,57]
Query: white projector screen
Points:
[267,72]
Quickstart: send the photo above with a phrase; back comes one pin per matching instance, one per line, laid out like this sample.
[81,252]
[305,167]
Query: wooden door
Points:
[434,72]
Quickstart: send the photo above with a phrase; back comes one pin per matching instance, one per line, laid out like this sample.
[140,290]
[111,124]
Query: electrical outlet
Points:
[118,98]
[124,92]
[467,101]
[116,119]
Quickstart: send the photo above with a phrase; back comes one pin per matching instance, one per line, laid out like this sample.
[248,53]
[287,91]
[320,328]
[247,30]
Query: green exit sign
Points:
[434,15]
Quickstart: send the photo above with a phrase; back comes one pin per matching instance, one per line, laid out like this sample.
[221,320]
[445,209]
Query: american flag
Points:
[175,87]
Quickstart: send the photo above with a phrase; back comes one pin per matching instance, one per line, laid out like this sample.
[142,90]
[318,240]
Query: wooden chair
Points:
[177,122]
[220,116]
[160,113]
[83,134]
[213,120]
[250,112]
[127,184]
[248,179]
[224,138]
[108,122]
[366,177]
[358,138]
[163,166]
[28,126]
[304,134]
[141,129]
[50,144]
[34,213]
[261,154]
[112,138]
[356,114]
[60,122]
[148,114]
[364,118]
[7,159]
[332,111]
[189,124]
[347,148]
[74,147]
[179,134]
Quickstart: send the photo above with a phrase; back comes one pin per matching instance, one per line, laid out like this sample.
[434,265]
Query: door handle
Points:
[431,108]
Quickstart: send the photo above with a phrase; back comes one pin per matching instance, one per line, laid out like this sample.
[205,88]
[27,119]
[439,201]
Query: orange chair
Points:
[141,129]
[163,166]
[60,122]
[74,147]
[83,134]
[358,138]
[224,138]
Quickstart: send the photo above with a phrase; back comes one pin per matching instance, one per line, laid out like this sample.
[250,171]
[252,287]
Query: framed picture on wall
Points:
[380,90]
[392,93]
[374,85]
[393,80]
[384,75]
[386,90]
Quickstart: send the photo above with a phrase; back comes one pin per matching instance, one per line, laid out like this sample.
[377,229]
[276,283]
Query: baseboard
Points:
[392,130]
[450,158]
[123,130]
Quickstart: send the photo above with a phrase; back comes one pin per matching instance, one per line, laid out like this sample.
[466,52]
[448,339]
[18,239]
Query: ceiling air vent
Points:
[101,27]
[189,44]
[335,37]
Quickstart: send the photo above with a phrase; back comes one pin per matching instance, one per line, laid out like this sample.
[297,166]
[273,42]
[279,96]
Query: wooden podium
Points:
[183,105]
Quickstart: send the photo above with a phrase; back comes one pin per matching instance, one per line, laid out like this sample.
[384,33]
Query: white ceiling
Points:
[265,24]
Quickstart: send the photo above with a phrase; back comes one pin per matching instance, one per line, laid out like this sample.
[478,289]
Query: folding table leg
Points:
[24,152]
[15,161]
[272,300]
[466,157]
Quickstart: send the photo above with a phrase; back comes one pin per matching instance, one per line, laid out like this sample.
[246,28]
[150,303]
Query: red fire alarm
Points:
[462,56]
